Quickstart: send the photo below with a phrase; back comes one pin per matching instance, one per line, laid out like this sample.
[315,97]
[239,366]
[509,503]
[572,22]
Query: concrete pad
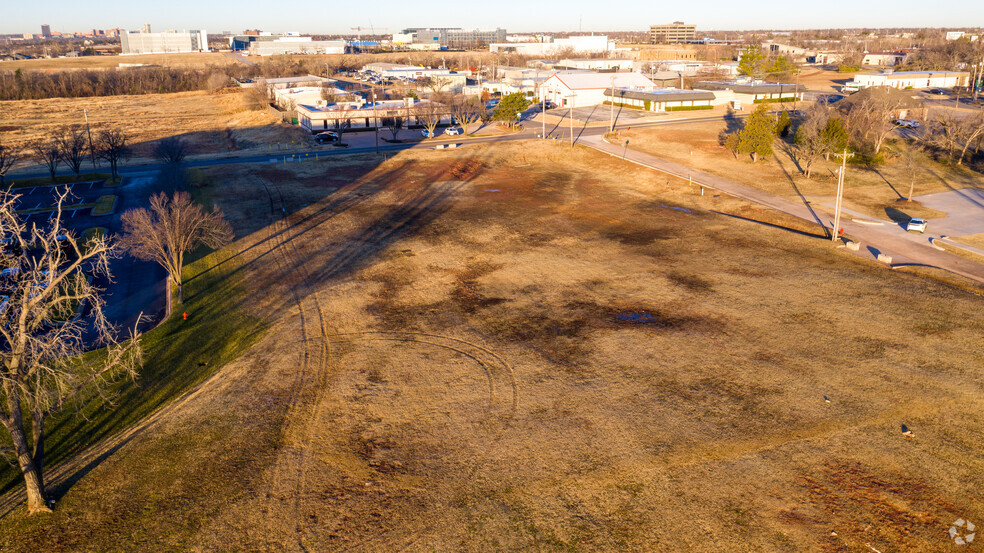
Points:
[964,209]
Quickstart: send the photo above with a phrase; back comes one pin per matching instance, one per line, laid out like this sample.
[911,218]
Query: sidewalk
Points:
[873,239]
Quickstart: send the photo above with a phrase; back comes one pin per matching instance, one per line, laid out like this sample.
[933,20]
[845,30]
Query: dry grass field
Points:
[873,191]
[198,60]
[210,123]
[499,349]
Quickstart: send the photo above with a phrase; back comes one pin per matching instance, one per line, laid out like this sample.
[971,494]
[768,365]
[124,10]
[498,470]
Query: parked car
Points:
[937,91]
[426,134]
[326,137]
[907,123]
[452,131]
[916,224]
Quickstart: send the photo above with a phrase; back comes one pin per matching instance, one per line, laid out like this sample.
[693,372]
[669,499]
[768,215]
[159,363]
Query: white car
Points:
[907,123]
[916,224]
[452,131]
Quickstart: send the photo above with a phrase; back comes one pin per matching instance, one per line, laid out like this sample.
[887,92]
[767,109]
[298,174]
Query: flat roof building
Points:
[588,89]
[294,45]
[673,33]
[661,99]
[163,43]
[911,79]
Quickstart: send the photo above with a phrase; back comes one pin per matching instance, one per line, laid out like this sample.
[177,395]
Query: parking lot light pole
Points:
[92,151]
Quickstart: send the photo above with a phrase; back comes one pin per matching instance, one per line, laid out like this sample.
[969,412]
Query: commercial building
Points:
[673,33]
[289,98]
[595,64]
[163,43]
[317,118]
[888,59]
[588,89]
[449,37]
[911,79]
[661,99]
[46,31]
[751,92]
[284,45]
[581,44]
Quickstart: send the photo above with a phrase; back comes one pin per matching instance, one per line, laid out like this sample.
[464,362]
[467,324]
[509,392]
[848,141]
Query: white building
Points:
[662,99]
[751,92]
[289,98]
[169,42]
[596,64]
[318,118]
[295,45]
[585,44]
[911,79]
[588,89]
[888,59]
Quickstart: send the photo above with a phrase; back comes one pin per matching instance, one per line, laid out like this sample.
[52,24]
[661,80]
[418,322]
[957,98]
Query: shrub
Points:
[688,108]
[775,100]
[848,68]
[621,105]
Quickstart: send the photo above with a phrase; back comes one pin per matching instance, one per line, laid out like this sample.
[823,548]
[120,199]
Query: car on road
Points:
[937,91]
[916,224]
[452,131]
[907,123]
[426,134]
[326,137]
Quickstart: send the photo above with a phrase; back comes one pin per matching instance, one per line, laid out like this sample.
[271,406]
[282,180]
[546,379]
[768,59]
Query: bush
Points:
[848,68]
[688,108]
[775,100]
[621,105]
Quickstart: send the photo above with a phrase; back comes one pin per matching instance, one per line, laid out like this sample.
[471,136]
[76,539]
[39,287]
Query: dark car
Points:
[937,91]
[326,137]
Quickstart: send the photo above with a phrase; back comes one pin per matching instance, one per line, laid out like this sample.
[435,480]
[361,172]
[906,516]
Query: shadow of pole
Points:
[806,203]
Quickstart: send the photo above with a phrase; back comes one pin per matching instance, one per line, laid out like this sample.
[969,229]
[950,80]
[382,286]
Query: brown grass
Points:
[876,191]
[189,60]
[669,372]
[210,123]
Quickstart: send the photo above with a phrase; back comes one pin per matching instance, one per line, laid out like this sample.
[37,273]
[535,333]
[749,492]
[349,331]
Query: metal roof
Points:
[749,88]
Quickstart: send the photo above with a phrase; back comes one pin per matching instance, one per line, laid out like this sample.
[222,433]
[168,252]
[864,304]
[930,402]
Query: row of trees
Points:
[72,146]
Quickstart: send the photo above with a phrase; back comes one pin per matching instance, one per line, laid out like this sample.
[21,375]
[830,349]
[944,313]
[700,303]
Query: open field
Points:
[877,191]
[210,123]
[822,80]
[196,60]
[506,349]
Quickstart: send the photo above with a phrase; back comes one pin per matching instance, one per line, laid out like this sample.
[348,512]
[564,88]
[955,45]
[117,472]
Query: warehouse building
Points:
[588,89]
[751,92]
[910,79]
[661,99]
[318,118]
[449,37]
[295,45]
[169,42]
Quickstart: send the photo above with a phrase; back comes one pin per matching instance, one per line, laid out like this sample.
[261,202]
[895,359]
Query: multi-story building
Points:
[46,31]
[163,43]
[673,33]
[450,37]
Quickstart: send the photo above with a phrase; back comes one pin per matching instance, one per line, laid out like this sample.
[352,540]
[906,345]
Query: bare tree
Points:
[944,132]
[42,369]
[973,129]
[49,153]
[429,113]
[811,144]
[112,146]
[870,123]
[74,146]
[328,93]
[171,228]
[258,95]
[171,150]
[394,123]
[465,111]
[216,82]
[8,157]
[912,166]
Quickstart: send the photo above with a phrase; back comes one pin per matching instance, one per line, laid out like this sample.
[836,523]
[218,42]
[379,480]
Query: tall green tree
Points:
[783,123]
[510,107]
[750,62]
[835,137]
[757,136]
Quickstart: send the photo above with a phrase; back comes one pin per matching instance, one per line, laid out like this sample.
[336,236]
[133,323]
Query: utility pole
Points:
[840,194]
[611,123]
[571,117]
[375,114]
[92,151]
[543,112]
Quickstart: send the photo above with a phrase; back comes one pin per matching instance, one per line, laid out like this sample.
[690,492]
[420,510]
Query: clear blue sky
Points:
[337,16]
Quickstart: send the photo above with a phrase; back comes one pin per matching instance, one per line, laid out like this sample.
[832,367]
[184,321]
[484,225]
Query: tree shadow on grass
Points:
[806,203]
[775,226]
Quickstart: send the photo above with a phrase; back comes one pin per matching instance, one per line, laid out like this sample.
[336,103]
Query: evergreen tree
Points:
[783,124]
[757,136]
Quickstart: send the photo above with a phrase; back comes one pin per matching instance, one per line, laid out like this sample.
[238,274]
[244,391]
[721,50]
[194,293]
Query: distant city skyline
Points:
[389,16]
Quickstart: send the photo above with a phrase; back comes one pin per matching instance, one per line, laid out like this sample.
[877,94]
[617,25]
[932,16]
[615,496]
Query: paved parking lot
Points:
[137,287]
[964,209]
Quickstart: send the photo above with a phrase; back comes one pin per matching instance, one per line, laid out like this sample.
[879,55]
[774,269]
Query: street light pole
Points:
[572,119]
[375,114]
[92,151]
[611,122]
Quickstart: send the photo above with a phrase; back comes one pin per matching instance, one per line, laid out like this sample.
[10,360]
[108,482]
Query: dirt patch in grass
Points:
[544,358]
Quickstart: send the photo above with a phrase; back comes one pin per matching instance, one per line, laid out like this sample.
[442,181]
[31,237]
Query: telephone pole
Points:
[611,125]
[840,194]
[375,113]
[571,117]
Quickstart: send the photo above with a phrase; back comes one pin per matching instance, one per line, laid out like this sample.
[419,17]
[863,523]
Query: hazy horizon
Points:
[389,16]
